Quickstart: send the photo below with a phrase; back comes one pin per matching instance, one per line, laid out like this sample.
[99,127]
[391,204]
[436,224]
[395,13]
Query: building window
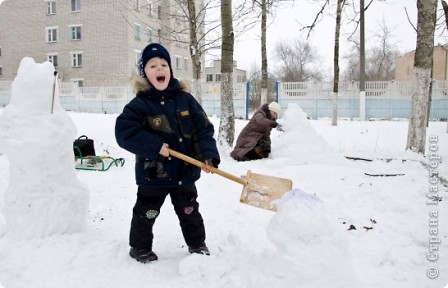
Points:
[137,57]
[137,29]
[53,58]
[0,51]
[186,64]
[76,5]
[75,33]
[51,7]
[241,78]
[137,5]
[177,43]
[209,78]
[149,8]
[52,34]
[159,13]
[218,77]
[1,71]
[76,59]
[149,34]
[178,63]
[78,82]
[159,35]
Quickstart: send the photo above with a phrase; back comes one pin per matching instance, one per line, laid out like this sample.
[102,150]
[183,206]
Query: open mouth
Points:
[160,79]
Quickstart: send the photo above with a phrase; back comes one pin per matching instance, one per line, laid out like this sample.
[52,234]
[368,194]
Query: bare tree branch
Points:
[317,19]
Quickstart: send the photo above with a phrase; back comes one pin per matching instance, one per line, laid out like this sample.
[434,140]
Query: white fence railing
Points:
[383,99]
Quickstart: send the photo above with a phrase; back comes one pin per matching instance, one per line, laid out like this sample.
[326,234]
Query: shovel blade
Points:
[264,191]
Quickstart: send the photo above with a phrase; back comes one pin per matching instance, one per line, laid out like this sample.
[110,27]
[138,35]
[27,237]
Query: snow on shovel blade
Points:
[264,191]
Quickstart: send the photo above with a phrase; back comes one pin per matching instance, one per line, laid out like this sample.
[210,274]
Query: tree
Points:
[426,19]
[295,61]
[379,63]
[266,7]
[362,60]
[380,58]
[334,118]
[339,8]
[227,120]
[351,69]
[189,19]
[445,11]
[264,57]
[195,51]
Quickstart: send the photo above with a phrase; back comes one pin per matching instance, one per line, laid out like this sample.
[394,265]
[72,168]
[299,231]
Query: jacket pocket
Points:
[185,124]
[158,123]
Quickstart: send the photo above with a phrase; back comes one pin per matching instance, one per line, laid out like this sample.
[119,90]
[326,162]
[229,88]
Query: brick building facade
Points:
[404,65]
[90,42]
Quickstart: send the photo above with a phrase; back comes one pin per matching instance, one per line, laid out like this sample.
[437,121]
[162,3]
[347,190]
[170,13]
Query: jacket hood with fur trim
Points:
[140,84]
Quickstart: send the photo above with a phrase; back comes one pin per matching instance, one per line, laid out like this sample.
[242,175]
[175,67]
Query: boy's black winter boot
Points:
[200,249]
[143,255]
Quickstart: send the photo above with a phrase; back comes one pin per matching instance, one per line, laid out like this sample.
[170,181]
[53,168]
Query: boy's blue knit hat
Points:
[151,51]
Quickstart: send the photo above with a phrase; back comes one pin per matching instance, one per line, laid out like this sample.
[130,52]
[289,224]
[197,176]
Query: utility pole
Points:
[362,78]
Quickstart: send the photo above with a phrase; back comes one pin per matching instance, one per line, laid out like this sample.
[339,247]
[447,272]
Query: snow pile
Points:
[305,235]
[43,196]
[296,126]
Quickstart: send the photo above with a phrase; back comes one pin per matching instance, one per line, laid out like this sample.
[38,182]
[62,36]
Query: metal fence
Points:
[383,99]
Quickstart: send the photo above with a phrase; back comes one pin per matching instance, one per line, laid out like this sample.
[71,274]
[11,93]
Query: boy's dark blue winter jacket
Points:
[172,116]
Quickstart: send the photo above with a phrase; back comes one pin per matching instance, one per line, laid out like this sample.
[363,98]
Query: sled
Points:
[96,163]
[259,190]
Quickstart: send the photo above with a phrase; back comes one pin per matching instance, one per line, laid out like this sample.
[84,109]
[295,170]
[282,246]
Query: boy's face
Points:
[158,72]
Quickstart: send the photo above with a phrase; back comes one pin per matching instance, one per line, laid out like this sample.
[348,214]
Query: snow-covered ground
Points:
[63,227]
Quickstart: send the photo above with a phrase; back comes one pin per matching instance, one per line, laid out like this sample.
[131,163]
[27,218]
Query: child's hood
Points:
[140,84]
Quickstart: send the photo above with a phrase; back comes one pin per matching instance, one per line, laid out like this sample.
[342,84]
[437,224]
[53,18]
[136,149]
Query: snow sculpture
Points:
[43,196]
[304,232]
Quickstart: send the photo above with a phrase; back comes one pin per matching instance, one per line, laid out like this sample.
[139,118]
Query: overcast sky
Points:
[286,26]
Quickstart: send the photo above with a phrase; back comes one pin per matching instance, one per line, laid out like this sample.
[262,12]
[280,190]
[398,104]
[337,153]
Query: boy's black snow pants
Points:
[147,209]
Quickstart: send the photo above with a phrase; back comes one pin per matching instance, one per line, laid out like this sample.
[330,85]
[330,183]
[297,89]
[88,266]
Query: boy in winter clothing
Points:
[164,115]
[254,141]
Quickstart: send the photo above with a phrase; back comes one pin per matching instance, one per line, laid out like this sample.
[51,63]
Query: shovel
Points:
[259,190]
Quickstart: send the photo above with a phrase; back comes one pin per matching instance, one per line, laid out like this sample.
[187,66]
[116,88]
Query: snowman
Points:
[43,196]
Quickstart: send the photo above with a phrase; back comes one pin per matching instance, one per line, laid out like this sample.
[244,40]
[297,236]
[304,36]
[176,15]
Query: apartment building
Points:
[404,65]
[213,73]
[90,42]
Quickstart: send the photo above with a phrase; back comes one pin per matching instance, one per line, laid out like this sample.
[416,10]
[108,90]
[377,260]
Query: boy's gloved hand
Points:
[209,163]
[212,162]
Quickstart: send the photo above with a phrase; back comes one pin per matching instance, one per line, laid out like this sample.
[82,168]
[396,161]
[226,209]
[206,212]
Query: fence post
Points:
[247,99]
[391,93]
[362,105]
[313,92]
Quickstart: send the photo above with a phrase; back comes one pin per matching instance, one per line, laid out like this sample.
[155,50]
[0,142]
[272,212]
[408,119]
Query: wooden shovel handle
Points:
[52,94]
[200,164]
